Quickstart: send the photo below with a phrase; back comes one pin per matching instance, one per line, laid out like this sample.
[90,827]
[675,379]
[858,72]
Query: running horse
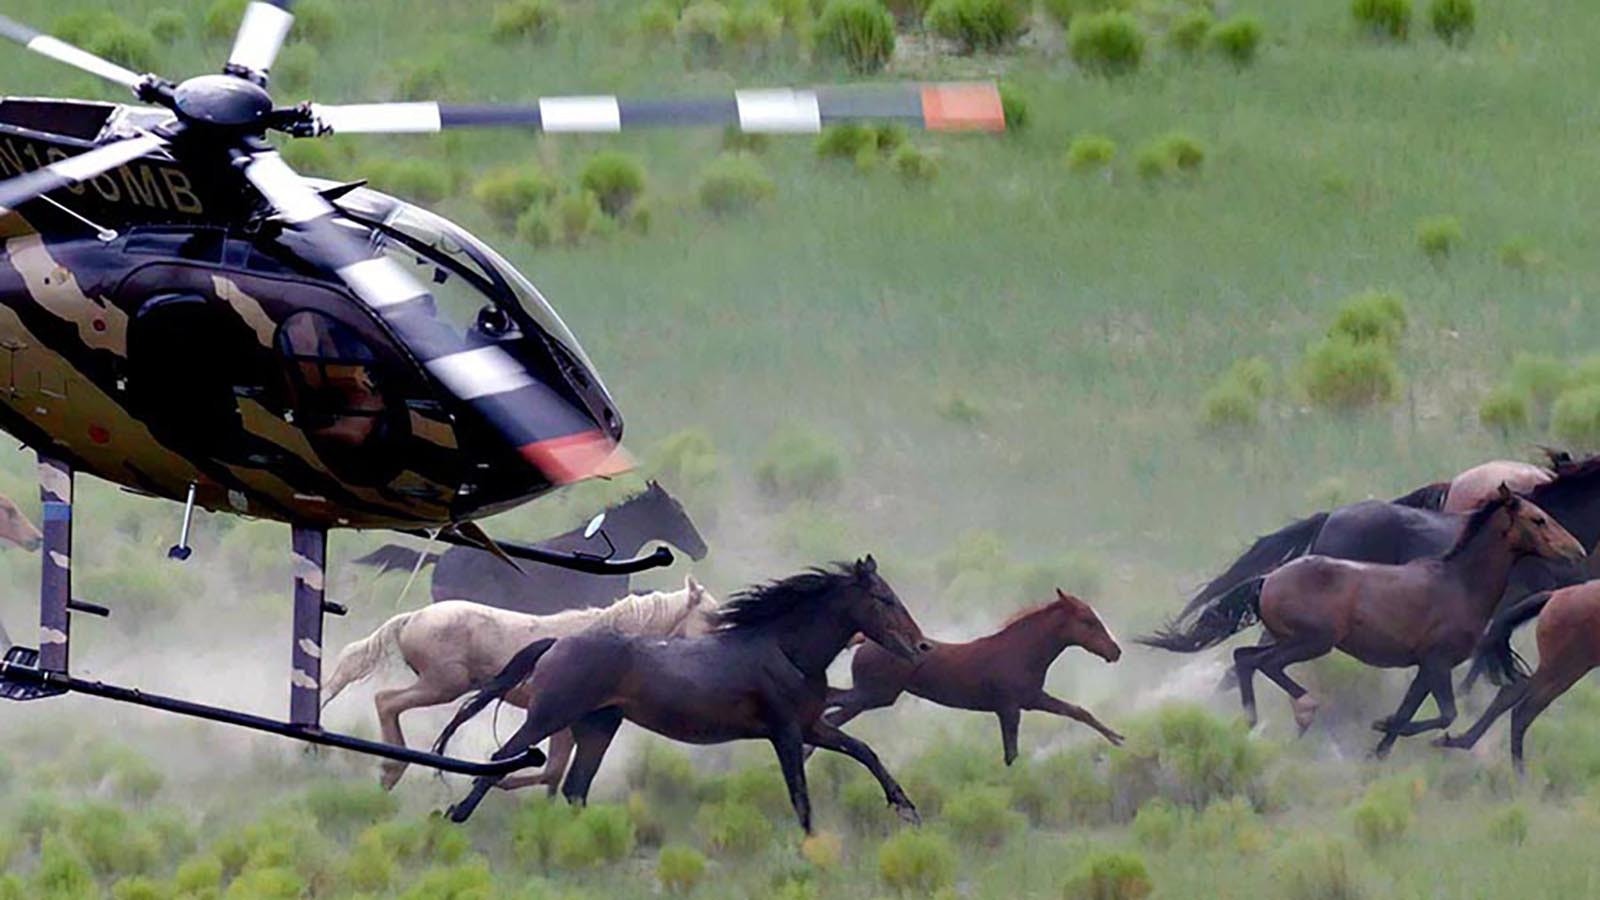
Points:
[466,573]
[1427,613]
[17,530]
[760,675]
[1002,673]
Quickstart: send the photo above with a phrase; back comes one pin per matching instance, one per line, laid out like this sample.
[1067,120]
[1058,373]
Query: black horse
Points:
[1391,532]
[762,675]
[464,573]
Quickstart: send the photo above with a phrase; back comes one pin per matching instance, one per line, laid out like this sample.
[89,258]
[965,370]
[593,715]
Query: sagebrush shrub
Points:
[981,815]
[846,141]
[1576,416]
[1504,411]
[858,33]
[908,12]
[688,463]
[1540,377]
[1374,316]
[703,29]
[521,20]
[1091,152]
[734,828]
[1383,18]
[1188,34]
[734,184]
[220,23]
[1238,40]
[536,226]
[295,67]
[1383,815]
[1520,254]
[1193,756]
[315,21]
[139,887]
[986,25]
[914,165]
[1014,107]
[1109,875]
[1186,153]
[598,834]
[421,180]
[1340,373]
[1316,868]
[168,25]
[1228,405]
[1453,20]
[342,805]
[508,192]
[917,862]
[1064,11]
[799,464]
[1157,824]
[754,29]
[680,868]
[1438,236]
[1108,43]
[1510,826]
[616,180]
[657,22]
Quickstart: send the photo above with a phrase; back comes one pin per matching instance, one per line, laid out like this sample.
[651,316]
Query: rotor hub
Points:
[222,101]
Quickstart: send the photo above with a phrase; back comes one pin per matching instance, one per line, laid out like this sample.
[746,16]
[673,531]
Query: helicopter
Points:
[185,316]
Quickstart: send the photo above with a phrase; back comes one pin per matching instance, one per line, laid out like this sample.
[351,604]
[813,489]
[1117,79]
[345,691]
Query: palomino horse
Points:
[465,573]
[1002,673]
[17,530]
[1569,648]
[762,674]
[1426,613]
[456,646]
[1479,484]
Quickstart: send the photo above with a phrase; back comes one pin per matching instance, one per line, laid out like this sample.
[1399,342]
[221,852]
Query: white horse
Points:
[455,646]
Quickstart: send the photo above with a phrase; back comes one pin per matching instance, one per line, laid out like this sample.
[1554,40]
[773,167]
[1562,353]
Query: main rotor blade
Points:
[61,51]
[549,431]
[969,106]
[261,35]
[75,170]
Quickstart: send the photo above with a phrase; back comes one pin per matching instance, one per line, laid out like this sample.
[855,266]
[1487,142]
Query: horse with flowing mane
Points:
[456,646]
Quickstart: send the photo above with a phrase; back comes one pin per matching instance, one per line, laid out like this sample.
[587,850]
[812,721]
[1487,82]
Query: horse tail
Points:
[1227,615]
[395,556]
[514,673]
[359,659]
[1429,496]
[1494,656]
[1267,553]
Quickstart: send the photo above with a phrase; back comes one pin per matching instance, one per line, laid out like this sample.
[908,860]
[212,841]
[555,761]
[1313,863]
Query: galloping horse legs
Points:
[1270,660]
[1546,687]
[829,737]
[790,747]
[1046,703]
[555,767]
[1444,694]
[1415,694]
[1509,696]
[593,734]
[846,705]
[390,704]
[1009,720]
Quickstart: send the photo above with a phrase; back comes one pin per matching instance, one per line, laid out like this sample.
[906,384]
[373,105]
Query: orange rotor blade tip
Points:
[962,107]
[575,457]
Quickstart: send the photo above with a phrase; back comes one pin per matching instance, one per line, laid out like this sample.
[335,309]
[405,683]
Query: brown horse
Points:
[1568,635]
[1002,673]
[1426,613]
[762,674]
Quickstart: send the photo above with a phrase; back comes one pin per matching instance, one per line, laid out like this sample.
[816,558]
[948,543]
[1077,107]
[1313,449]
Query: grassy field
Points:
[994,381]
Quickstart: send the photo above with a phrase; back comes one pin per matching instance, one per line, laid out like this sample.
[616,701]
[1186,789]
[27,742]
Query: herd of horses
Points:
[1427,581]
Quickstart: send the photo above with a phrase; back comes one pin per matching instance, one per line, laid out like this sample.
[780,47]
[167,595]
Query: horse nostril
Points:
[923,646]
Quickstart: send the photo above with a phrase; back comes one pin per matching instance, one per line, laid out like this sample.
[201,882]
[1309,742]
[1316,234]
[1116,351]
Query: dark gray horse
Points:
[464,573]
[761,675]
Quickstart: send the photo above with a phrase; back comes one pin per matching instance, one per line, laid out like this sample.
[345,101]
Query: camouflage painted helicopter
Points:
[184,315]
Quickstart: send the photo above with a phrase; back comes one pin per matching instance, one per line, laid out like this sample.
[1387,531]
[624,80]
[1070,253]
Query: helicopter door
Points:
[337,395]
[181,375]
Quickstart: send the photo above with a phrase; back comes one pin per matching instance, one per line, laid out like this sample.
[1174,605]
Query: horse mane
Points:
[1476,522]
[1027,612]
[1570,477]
[763,603]
[1429,496]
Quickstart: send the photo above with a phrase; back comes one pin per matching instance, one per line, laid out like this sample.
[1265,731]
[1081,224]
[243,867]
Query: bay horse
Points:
[456,646]
[761,674]
[1002,673]
[1427,613]
[467,573]
[1568,634]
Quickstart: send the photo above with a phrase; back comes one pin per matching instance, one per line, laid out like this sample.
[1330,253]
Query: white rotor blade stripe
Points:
[779,112]
[379,118]
[381,282]
[261,36]
[286,190]
[61,51]
[580,114]
[75,170]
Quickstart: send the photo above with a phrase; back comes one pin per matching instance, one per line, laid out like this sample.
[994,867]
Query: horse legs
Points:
[1010,718]
[390,704]
[1509,696]
[827,736]
[592,734]
[1270,660]
[555,766]
[1546,686]
[788,743]
[846,705]
[1415,694]
[1046,703]
[1444,694]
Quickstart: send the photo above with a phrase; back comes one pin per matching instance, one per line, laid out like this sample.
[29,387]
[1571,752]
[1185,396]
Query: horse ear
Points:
[1506,496]
[696,591]
[872,564]
[1060,594]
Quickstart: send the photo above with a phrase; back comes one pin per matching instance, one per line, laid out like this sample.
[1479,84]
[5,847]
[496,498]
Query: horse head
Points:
[671,523]
[16,528]
[1532,530]
[1082,626]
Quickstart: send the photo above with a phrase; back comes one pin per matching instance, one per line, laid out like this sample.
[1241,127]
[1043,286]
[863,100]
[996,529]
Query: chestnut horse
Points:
[1002,673]
[1568,633]
[1426,613]
[762,674]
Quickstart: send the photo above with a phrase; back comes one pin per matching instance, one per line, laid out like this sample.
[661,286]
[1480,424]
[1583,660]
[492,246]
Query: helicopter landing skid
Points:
[18,656]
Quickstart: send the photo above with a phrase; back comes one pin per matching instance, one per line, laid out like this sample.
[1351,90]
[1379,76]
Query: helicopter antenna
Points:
[103,234]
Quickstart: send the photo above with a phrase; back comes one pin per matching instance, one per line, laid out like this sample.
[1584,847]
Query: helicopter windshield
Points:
[473,286]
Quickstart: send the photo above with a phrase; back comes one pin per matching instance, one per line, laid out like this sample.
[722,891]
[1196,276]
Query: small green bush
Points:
[754,29]
[1539,377]
[508,192]
[536,226]
[167,25]
[735,828]
[864,807]
[1438,237]
[1504,411]
[703,29]
[127,44]
[1229,824]
[908,13]
[615,179]
[315,21]
[139,887]
[1342,374]
[1186,153]
[200,875]
[467,881]
[734,184]
[1108,43]
[340,806]
[61,872]
[687,462]
[1316,868]
[523,20]
[1575,418]
[598,834]
[294,70]
[799,464]
[1229,406]
[986,25]
[577,216]
[846,141]
[1157,824]
[1383,18]
[1377,317]
[1064,11]
[1238,40]
[221,20]
[914,165]
[917,862]
[981,816]
[427,79]
[1383,815]
[1510,826]
[1188,34]
[1191,755]
[111,842]
[1153,163]
[275,883]
[858,33]
[1109,875]
[1014,108]
[422,180]
[1520,255]
[1091,152]
[657,22]
[1453,20]
[680,868]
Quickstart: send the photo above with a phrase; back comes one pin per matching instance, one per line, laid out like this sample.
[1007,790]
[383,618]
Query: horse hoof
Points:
[1115,739]
[1449,743]
[908,814]
[1383,725]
